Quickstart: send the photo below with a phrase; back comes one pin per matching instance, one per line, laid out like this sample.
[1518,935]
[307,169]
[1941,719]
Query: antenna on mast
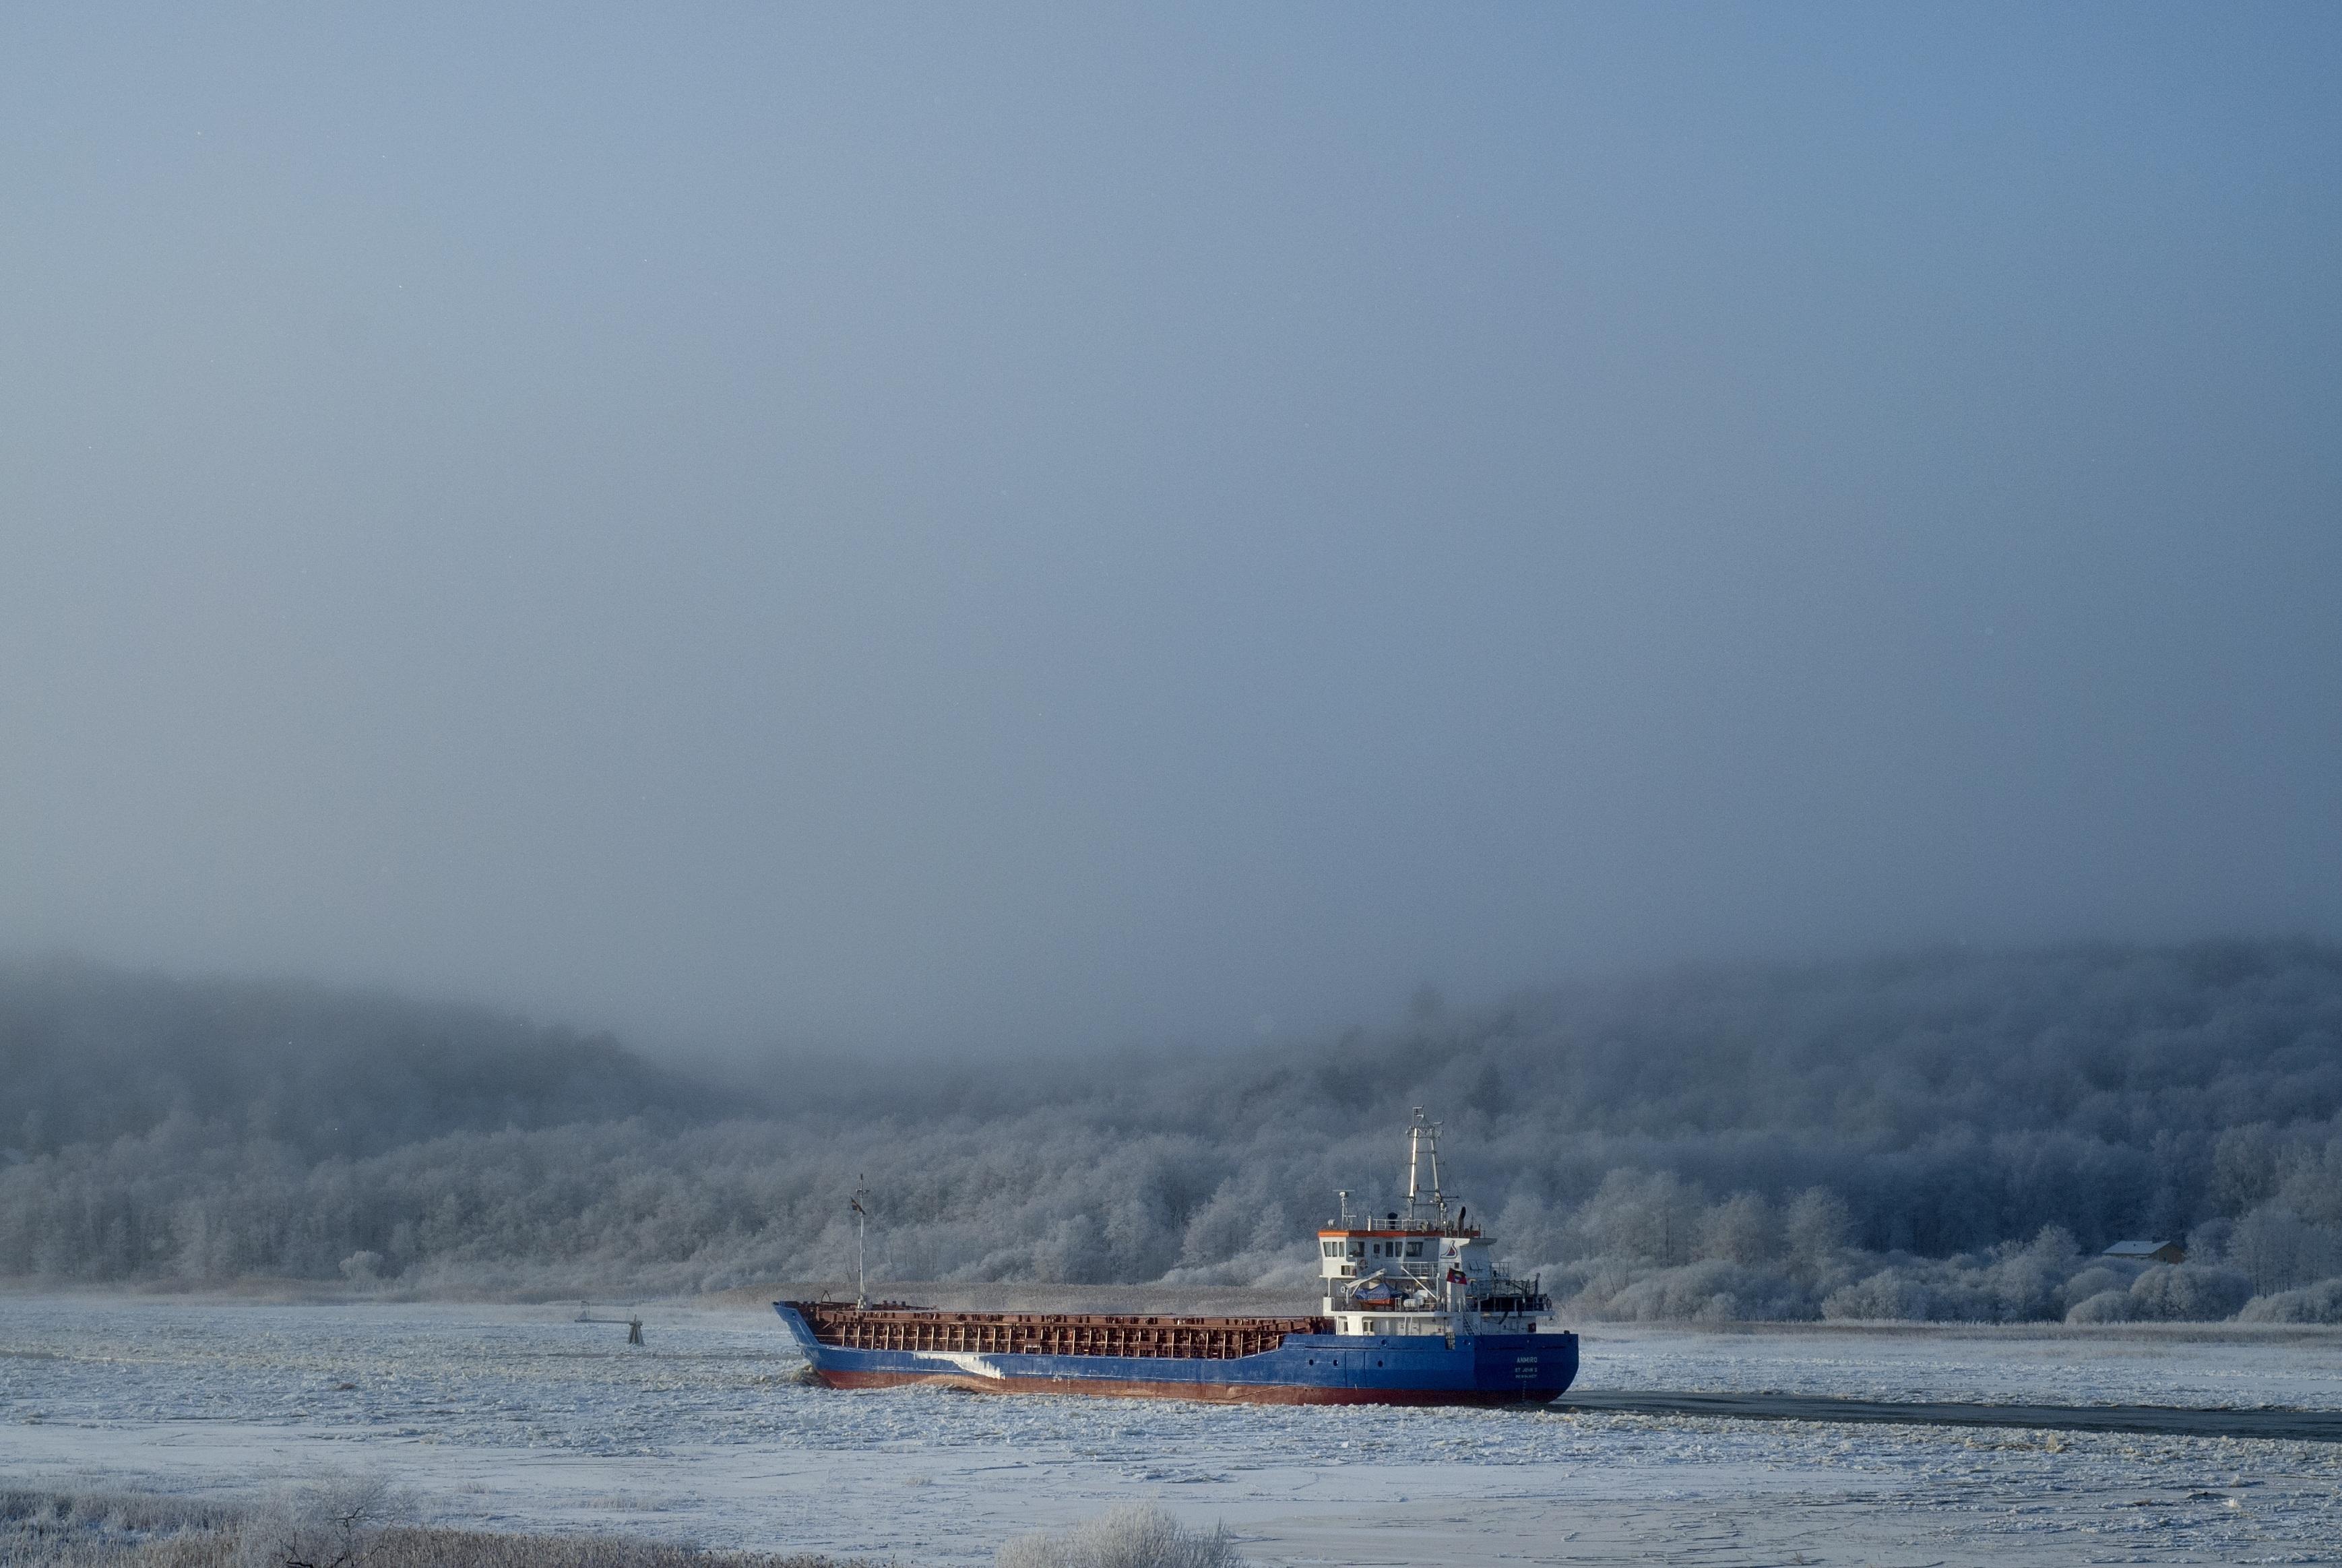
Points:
[861,1220]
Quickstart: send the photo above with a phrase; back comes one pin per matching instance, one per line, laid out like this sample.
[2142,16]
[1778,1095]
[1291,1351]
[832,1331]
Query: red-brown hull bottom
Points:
[1210,1393]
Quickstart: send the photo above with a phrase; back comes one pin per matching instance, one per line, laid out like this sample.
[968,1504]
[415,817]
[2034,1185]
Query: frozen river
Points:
[516,1418]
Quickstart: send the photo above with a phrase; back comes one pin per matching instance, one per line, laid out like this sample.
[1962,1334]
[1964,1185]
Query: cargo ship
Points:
[1413,1310]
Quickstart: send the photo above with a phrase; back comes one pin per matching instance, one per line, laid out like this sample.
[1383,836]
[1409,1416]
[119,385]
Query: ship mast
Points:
[861,1220]
[1422,1145]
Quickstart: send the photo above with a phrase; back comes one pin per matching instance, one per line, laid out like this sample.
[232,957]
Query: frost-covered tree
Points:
[1900,1129]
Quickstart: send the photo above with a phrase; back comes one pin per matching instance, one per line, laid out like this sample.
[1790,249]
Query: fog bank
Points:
[1938,1135]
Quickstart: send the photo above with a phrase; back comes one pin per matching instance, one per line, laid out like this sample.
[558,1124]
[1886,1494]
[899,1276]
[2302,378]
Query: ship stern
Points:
[1527,1369]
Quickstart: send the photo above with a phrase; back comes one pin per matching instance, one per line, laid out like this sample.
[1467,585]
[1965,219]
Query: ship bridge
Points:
[1420,1269]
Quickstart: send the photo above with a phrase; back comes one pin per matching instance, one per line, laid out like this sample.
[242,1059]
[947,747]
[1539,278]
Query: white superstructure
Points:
[1420,1271]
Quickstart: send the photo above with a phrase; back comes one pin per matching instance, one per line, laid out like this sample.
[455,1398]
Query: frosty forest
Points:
[1943,1136]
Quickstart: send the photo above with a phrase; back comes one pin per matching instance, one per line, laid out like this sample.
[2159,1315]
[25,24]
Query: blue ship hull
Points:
[1304,1368]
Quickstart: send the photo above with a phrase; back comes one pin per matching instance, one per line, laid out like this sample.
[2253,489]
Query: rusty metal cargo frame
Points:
[848,1327]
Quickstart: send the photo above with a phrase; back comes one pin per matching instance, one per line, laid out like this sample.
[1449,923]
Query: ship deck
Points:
[904,1328]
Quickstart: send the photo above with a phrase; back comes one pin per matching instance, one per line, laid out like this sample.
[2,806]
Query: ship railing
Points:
[1507,1297]
[1382,1226]
[1410,1304]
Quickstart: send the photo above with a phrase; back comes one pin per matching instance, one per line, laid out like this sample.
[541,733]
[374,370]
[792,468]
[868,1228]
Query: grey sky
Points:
[956,527]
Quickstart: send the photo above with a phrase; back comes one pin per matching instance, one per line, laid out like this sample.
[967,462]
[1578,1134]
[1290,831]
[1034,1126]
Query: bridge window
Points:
[1415,1248]
[1332,1249]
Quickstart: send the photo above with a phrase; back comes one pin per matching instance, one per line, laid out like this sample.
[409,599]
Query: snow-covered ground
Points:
[516,1417]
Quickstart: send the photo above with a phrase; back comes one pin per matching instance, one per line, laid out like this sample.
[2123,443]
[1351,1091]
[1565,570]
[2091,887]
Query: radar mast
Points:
[1422,1149]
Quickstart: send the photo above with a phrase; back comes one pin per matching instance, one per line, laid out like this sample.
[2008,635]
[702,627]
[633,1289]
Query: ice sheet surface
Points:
[516,1417]
[2203,1366]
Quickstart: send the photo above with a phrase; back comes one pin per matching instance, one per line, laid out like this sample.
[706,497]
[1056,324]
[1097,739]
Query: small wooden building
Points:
[2148,1251]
